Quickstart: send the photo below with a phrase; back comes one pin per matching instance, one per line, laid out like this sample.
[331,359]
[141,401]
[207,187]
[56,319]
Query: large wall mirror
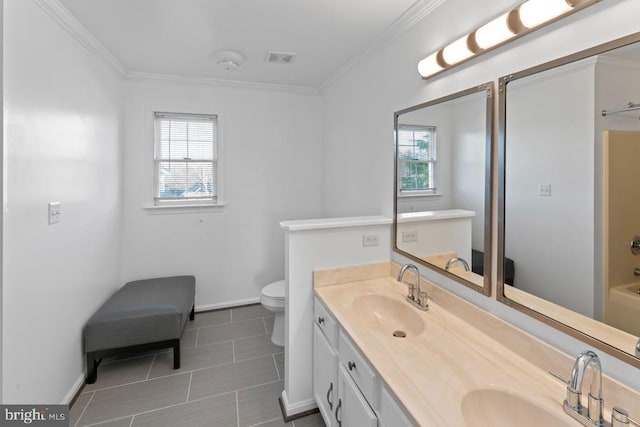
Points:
[569,195]
[443,185]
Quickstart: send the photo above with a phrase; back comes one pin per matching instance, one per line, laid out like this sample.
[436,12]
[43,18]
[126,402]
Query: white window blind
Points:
[416,159]
[186,156]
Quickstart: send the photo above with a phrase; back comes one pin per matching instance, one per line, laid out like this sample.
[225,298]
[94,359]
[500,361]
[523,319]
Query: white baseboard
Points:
[75,388]
[292,409]
[227,304]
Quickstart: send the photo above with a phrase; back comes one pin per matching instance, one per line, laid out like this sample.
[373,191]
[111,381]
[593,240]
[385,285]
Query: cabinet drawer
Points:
[325,322]
[352,410]
[363,375]
[390,413]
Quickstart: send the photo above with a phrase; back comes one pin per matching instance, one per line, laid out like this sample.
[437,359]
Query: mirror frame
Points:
[631,356]
[488,89]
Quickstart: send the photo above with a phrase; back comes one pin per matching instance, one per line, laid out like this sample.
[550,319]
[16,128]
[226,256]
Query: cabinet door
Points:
[352,409]
[390,413]
[325,376]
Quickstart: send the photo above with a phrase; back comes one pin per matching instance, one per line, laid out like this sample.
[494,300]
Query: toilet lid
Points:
[274,290]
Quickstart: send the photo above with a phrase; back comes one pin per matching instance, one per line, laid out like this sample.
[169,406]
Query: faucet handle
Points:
[411,292]
[620,418]
[424,299]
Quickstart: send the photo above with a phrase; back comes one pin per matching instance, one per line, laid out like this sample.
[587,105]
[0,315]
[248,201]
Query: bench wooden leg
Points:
[92,368]
[176,354]
[192,315]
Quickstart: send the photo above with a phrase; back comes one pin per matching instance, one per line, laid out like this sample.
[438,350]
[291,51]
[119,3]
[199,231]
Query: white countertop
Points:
[326,223]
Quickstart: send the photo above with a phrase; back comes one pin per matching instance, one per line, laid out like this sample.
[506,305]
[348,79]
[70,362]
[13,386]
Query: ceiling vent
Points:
[281,57]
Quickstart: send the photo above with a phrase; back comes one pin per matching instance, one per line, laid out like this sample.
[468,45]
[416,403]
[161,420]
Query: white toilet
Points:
[272,298]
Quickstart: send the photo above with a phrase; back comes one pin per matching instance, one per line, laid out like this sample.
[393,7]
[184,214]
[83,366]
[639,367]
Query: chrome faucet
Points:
[593,411]
[453,260]
[416,296]
[591,415]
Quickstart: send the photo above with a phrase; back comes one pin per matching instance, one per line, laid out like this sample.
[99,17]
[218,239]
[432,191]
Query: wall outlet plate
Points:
[54,212]
[544,189]
[409,236]
[370,240]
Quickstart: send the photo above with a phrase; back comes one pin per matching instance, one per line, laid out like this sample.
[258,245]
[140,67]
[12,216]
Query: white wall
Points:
[1,182]
[387,81]
[272,172]
[322,246]
[62,109]
[468,163]
[550,141]
[437,236]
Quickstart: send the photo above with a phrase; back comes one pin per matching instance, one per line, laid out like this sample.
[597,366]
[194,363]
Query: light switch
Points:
[544,189]
[54,212]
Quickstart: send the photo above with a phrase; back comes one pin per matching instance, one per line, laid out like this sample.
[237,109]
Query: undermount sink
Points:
[391,317]
[497,408]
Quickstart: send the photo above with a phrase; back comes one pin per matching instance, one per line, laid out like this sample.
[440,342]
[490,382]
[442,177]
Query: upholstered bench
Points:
[143,315]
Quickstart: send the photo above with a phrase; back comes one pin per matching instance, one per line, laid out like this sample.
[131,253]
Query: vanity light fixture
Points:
[528,16]
[496,31]
[535,12]
[457,51]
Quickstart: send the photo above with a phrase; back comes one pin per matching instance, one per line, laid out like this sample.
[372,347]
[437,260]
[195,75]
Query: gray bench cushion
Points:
[141,312]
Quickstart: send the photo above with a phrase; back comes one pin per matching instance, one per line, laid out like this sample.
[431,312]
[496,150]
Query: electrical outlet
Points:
[544,189]
[54,212]
[409,236]
[370,240]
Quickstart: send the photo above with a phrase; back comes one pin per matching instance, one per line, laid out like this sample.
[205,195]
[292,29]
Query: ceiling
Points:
[183,37]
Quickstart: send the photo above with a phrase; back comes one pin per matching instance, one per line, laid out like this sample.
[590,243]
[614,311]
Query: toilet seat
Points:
[273,294]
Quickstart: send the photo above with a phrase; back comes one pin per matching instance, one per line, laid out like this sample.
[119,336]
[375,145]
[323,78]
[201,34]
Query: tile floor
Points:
[231,375]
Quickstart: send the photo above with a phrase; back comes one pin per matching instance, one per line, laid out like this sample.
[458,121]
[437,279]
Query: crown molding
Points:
[416,13]
[65,18]
[67,21]
[142,76]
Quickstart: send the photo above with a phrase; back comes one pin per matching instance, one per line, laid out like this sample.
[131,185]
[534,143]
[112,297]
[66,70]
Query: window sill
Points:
[414,196]
[186,208]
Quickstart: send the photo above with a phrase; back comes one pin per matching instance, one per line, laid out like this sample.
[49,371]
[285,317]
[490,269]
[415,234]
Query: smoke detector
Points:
[229,60]
[281,57]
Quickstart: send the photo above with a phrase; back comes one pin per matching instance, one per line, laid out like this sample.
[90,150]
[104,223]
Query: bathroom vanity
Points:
[380,361]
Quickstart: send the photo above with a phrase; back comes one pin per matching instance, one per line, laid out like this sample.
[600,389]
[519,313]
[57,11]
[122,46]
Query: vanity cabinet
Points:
[325,376]
[346,388]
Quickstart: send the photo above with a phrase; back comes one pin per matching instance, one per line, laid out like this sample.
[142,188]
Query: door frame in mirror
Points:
[567,321]
[488,89]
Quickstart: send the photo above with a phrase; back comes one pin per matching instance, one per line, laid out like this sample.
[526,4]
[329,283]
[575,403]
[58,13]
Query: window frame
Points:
[431,164]
[154,202]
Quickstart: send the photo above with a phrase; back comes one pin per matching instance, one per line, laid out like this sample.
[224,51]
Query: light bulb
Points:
[495,32]
[429,65]
[536,12]
[457,51]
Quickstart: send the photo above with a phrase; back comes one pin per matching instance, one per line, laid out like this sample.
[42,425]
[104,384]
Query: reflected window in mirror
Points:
[416,160]
[569,202]
[443,158]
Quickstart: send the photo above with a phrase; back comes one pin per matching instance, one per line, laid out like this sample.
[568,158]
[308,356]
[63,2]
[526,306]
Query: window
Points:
[416,160]
[186,159]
